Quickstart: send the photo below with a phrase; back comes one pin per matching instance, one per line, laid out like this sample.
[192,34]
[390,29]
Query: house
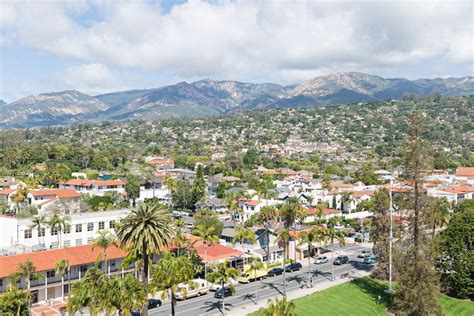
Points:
[47,200]
[467,172]
[215,204]
[93,187]
[217,253]
[9,183]
[6,196]
[160,163]
[454,194]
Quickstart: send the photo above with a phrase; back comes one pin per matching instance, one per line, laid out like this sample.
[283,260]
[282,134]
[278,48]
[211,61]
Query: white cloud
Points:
[274,40]
[89,78]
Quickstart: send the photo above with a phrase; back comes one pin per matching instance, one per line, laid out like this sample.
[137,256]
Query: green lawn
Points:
[359,297]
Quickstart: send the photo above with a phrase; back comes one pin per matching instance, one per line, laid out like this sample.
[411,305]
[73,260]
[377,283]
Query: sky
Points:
[100,46]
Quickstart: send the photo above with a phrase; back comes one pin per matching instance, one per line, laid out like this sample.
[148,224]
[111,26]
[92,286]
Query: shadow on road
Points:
[212,306]
[249,297]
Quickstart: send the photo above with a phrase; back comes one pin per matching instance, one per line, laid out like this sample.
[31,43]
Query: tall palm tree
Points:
[244,235]
[37,223]
[208,237]
[89,292]
[146,231]
[314,235]
[281,307]
[15,301]
[123,295]
[439,213]
[179,239]
[27,272]
[332,235]
[222,275]
[104,240]
[255,265]
[62,268]
[284,238]
[292,212]
[58,223]
[169,272]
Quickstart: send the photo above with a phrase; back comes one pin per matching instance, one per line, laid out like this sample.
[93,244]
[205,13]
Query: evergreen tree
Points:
[380,232]
[198,190]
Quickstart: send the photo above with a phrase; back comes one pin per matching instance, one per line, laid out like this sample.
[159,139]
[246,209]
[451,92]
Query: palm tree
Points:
[104,240]
[179,239]
[255,265]
[244,235]
[208,237]
[169,272]
[439,215]
[123,295]
[89,292]
[27,271]
[292,212]
[58,223]
[222,275]
[284,238]
[62,268]
[314,235]
[281,307]
[146,231]
[37,223]
[334,234]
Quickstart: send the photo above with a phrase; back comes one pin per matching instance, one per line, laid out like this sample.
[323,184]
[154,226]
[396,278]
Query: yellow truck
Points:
[248,275]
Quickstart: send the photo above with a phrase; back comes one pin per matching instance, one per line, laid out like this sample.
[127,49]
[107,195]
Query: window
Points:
[50,274]
[42,232]
[101,225]
[79,242]
[28,233]
[67,229]
[112,224]
[67,243]
[90,227]
[1,282]
[90,240]
[78,228]
[54,231]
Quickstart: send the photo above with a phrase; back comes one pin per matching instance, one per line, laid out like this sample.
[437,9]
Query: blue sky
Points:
[103,46]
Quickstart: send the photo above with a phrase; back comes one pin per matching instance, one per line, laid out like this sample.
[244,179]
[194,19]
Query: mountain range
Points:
[209,97]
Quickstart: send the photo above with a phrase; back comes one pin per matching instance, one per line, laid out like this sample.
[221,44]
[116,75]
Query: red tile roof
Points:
[89,183]
[60,193]
[252,202]
[217,252]
[359,194]
[7,191]
[328,211]
[465,172]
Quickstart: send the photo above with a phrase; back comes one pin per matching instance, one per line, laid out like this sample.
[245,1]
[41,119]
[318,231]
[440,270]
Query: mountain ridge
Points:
[216,97]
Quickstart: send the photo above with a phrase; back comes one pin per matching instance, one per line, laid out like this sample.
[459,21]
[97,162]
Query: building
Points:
[160,163]
[16,234]
[66,201]
[93,187]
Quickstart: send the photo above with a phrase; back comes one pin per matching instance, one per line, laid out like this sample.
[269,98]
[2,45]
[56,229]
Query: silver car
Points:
[321,260]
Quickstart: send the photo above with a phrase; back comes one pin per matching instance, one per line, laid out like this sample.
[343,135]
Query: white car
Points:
[321,260]
[216,286]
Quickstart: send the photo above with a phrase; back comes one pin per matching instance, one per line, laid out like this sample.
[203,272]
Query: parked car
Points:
[321,260]
[216,286]
[370,260]
[152,303]
[341,260]
[364,253]
[295,266]
[226,291]
[274,272]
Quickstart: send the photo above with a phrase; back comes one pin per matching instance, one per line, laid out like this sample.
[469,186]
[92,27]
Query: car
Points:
[341,260]
[295,266]
[152,303]
[321,260]
[274,272]
[223,292]
[216,286]
[370,260]
[364,253]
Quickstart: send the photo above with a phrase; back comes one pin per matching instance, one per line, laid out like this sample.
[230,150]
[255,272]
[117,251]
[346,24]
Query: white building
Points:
[93,187]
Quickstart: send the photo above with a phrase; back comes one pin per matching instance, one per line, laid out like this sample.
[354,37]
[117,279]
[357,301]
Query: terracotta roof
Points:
[217,252]
[252,202]
[328,211]
[359,194]
[45,260]
[60,193]
[7,191]
[458,189]
[161,161]
[89,183]
[465,172]
[47,201]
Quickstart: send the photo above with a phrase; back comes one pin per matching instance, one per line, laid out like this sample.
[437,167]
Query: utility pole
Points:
[390,239]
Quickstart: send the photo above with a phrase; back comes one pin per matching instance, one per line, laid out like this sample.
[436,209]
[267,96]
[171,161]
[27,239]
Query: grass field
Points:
[360,297]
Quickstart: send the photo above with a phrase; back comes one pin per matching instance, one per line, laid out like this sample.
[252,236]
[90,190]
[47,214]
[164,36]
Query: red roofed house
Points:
[94,187]
[467,172]
[454,194]
[47,200]
[217,253]
[161,163]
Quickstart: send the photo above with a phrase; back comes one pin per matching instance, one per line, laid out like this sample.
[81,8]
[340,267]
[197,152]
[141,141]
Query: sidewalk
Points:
[250,308]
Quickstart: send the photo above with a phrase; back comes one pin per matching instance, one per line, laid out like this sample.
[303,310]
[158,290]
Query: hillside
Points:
[209,97]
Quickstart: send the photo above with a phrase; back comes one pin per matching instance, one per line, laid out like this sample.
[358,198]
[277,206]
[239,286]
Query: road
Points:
[267,288]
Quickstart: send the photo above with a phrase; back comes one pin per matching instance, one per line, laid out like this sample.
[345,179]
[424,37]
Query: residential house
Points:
[94,187]
[66,201]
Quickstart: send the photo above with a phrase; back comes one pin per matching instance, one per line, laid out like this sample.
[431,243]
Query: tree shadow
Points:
[274,286]
[212,306]
[374,289]
[250,297]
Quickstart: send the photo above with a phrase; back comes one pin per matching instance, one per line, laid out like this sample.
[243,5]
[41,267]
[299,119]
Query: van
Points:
[248,276]
[197,287]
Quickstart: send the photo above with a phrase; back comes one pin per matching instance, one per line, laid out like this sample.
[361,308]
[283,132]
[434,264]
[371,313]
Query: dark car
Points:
[275,272]
[226,291]
[152,303]
[295,266]
[341,260]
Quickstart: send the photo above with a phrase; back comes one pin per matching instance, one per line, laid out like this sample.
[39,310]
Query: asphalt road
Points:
[267,288]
